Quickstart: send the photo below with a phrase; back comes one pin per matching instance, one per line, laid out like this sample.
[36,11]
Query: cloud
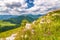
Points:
[18,7]
[18,4]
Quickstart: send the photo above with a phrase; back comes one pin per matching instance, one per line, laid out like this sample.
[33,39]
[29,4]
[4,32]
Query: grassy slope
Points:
[10,32]
[2,24]
[45,28]
[8,24]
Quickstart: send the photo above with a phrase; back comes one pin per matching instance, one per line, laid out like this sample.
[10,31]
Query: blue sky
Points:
[18,7]
[30,3]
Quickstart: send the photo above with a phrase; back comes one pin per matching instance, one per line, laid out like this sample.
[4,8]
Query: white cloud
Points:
[18,7]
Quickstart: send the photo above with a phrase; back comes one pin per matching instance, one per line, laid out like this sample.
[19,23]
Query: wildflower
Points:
[42,21]
[26,36]
[34,22]
[48,21]
[32,32]
[28,26]
[22,36]
[12,37]
[54,14]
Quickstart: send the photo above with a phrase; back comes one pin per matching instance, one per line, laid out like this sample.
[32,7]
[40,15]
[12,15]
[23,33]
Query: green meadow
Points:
[46,27]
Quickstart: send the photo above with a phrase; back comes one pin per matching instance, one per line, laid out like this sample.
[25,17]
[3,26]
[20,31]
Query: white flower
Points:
[55,14]
[22,36]
[34,22]
[26,36]
[12,37]
[28,26]
[48,21]
[32,32]
[42,21]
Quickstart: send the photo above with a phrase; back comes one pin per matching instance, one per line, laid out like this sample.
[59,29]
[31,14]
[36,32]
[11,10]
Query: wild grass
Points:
[45,28]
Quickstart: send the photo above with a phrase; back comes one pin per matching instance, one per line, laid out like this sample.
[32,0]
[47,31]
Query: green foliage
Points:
[2,24]
[24,22]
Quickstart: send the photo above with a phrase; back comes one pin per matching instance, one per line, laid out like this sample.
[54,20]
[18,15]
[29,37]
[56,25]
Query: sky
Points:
[19,7]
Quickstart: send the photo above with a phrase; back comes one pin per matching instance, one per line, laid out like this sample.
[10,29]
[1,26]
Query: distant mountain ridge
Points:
[18,19]
[3,17]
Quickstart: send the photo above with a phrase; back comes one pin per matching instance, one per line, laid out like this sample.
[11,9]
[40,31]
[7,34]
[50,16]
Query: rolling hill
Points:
[46,27]
[7,21]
